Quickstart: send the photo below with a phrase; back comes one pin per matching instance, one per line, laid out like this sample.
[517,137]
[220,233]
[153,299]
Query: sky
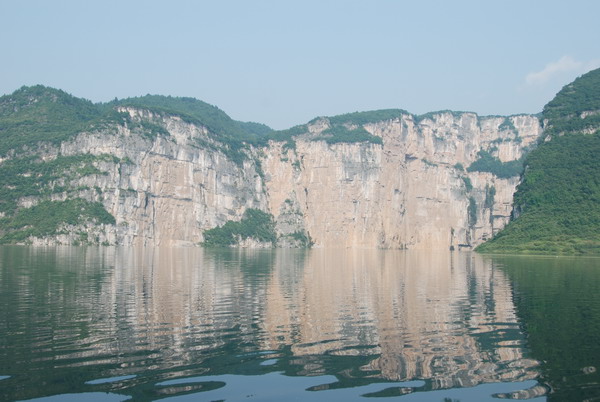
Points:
[282,63]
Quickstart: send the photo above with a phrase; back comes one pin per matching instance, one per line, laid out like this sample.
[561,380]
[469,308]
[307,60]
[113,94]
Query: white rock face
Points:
[168,190]
[410,192]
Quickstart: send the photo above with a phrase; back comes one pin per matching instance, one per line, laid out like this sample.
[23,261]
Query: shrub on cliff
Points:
[487,163]
[255,224]
[47,217]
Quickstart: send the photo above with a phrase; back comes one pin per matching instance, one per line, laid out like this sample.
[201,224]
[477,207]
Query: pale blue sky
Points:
[283,63]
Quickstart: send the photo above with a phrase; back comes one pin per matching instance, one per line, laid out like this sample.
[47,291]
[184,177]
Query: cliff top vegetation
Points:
[35,114]
[41,114]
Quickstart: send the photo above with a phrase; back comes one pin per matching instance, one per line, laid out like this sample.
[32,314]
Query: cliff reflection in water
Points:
[445,318]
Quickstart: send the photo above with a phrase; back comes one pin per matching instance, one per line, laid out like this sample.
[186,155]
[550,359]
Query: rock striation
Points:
[410,192]
[413,188]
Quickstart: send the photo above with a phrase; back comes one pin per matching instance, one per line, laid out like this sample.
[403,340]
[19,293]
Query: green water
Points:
[85,323]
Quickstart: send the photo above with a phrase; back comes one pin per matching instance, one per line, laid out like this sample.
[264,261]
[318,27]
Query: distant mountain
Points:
[557,205]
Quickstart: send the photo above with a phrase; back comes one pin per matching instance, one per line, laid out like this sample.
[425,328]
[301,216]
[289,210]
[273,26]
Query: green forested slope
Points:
[38,113]
[41,114]
[557,206]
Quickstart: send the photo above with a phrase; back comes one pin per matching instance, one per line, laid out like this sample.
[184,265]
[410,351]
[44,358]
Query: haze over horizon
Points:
[284,63]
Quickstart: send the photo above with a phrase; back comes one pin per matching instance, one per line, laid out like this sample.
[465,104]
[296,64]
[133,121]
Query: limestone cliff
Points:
[412,191]
[170,189]
[166,180]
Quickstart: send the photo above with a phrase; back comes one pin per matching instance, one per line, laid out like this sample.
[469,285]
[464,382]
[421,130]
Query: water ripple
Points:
[151,323]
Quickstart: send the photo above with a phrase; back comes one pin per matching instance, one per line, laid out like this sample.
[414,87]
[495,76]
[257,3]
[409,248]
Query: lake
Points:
[104,323]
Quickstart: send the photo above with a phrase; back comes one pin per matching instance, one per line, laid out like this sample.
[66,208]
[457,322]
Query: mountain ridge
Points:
[127,155]
[204,113]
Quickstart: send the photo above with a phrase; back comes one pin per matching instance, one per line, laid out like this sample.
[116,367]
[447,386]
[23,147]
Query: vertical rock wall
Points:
[411,191]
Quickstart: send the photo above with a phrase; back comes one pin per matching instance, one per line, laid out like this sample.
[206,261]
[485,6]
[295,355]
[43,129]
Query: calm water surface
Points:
[84,323]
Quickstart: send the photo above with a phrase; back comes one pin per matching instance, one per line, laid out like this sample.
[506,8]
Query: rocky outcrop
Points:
[168,186]
[410,192]
[164,190]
